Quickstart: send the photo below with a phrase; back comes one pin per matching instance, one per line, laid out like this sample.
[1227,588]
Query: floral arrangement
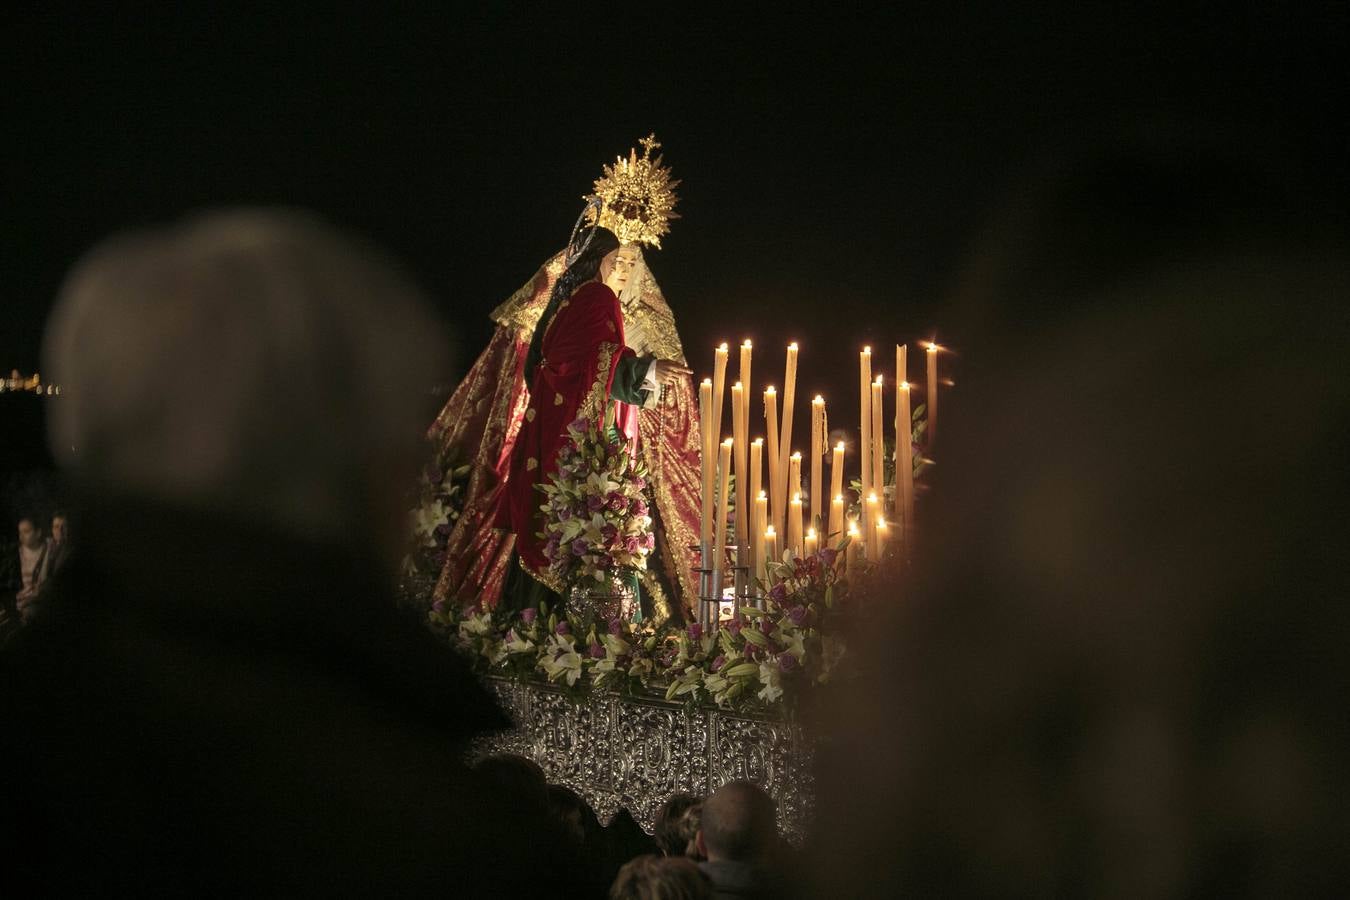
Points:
[436,507]
[761,659]
[596,513]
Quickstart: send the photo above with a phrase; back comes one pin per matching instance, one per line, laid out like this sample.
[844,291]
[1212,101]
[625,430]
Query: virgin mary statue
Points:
[479,426]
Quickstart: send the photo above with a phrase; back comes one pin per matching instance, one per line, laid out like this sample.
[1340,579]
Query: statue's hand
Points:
[668,371]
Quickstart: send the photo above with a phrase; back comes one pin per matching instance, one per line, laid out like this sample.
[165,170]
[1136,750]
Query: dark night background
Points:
[835,167]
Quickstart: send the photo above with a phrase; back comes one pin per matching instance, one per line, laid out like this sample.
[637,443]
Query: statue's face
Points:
[58,528]
[617,267]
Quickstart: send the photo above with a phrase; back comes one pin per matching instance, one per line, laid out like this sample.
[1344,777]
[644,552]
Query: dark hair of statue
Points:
[584,269]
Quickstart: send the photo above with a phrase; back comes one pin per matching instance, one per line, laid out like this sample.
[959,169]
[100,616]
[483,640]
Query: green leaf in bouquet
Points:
[741,670]
[755,636]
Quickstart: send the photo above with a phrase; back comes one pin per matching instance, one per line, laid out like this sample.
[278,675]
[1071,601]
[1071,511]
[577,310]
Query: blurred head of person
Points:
[30,534]
[1115,661]
[677,823]
[654,877]
[59,528]
[253,363]
[737,824]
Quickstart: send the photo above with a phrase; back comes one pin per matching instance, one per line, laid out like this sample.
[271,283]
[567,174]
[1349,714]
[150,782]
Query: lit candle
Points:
[719,395]
[836,519]
[785,436]
[794,524]
[761,515]
[932,393]
[770,547]
[723,496]
[742,476]
[878,445]
[870,526]
[818,449]
[837,488]
[865,404]
[809,545]
[758,520]
[777,495]
[745,380]
[904,463]
[854,540]
[705,425]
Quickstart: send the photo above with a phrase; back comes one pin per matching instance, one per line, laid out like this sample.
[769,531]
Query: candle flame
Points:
[769,532]
[736,386]
[871,498]
[797,497]
[904,385]
[759,442]
[878,381]
[811,533]
[708,382]
[852,528]
[723,347]
[838,498]
[793,346]
[769,390]
[932,346]
[867,350]
[819,399]
[727,443]
[746,344]
[839,446]
[797,455]
[763,495]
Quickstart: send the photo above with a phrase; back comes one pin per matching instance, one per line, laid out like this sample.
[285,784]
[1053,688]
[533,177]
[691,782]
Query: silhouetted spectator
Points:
[737,836]
[655,877]
[1120,670]
[677,823]
[244,712]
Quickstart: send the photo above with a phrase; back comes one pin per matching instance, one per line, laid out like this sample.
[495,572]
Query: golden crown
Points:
[636,197]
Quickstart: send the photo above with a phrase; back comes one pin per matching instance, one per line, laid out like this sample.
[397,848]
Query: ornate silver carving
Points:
[634,752]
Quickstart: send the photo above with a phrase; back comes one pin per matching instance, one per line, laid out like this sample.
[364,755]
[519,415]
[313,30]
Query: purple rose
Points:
[638,507]
[797,615]
[648,540]
[787,662]
[615,627]
[528,615]
[579,547]
[765,626]
[595,503]
[511,635]
[734,626]
[565,514]
[563,628]
[616,502]
[439,606]
[778,593]
[581,423]
[639,482]
[719,663]
[609,533]
[828,555]
[695,632]
[632,545]
[597,651]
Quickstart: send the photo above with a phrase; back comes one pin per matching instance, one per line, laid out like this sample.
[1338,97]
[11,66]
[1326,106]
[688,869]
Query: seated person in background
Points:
[655,877]
[737,835]
[34,559]
[60,543]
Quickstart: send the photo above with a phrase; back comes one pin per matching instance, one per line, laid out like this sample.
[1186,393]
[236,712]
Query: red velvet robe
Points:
[581,349]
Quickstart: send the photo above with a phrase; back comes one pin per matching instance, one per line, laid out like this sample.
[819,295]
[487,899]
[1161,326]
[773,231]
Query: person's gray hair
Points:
[253,362]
